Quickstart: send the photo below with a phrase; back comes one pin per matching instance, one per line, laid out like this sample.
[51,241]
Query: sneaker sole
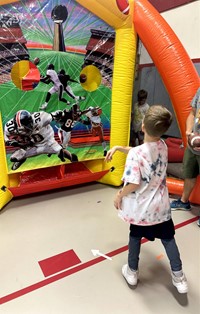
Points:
[181,208]
[130,284]
[183,291]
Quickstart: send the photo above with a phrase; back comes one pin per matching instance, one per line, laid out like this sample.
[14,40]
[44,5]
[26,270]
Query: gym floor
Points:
[47,266]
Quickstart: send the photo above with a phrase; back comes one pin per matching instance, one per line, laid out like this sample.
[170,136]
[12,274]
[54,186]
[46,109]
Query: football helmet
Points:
[96,111]
[50,66]
[23,121]
[62,72]
[76,111]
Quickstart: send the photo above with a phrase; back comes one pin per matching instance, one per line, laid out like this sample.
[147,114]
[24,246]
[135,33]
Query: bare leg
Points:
[188,187]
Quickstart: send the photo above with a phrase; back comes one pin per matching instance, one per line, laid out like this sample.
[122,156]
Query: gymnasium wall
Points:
[185,22]
[162,6]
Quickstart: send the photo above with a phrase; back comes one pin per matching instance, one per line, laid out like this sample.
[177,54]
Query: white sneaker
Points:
[180,283]
[130,276]
[44,106]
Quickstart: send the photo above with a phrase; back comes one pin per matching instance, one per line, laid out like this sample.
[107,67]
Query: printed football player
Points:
[52,77]
[67,120]
[93,116]
[65,79]
[33,135]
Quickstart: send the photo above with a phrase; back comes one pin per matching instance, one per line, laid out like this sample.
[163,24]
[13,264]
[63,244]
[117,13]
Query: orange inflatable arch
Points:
[175,67]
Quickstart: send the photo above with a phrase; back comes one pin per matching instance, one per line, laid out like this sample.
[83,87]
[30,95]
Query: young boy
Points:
[143,201]
[139,110]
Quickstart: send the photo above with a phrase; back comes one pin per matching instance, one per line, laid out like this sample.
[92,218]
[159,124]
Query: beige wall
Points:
[185,22]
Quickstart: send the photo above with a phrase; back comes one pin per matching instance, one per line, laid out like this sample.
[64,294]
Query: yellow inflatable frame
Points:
[179,76]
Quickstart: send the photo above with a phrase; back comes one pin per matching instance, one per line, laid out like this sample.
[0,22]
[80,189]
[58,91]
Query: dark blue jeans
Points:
[170,248]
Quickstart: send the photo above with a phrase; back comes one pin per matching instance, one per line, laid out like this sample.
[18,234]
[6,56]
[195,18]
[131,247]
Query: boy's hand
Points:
[109,154]
[118,200]
[188,134]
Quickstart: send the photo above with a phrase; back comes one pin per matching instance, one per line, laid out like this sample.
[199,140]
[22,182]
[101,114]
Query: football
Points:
[123,6]
[194,140]
[36,61]
[83,78]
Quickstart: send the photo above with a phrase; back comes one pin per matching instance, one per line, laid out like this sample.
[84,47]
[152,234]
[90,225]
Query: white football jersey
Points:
[54,77]
[42,130]
[95,119]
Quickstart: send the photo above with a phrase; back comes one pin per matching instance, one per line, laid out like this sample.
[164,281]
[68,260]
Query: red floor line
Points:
[75,269]
[185,223]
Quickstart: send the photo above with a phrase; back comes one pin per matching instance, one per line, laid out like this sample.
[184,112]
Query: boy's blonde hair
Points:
[157,120]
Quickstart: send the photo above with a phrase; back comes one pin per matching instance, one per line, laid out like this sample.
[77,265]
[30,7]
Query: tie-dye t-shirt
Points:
[149,204]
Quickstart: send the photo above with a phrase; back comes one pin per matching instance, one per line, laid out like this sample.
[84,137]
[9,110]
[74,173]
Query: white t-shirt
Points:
[149,204]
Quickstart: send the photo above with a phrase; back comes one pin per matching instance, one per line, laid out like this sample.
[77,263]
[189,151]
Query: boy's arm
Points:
[111,152]
[127,189]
